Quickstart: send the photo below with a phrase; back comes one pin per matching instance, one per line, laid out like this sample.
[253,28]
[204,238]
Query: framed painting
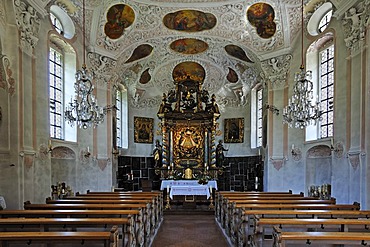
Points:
[143,130]
[234,130]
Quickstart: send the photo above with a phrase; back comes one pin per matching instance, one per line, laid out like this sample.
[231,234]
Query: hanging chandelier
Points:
[302,110]
[84,109]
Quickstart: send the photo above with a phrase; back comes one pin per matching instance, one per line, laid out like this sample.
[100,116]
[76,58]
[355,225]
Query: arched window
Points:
[62,68]
[56,93]
[320,19]
[56,24]
[321,61]
[61,22]
[325,20]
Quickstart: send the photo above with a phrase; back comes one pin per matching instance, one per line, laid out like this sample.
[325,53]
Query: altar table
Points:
[194,190]
[170,183]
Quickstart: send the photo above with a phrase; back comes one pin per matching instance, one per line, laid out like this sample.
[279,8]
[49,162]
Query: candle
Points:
[210,188]
[168,167]
[88,149]
[292,146]
[168,188]
[332,142]
[256,179]
[49,143]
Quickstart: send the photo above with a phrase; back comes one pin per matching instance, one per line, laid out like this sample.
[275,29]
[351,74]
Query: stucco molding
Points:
[355,21]
[28,23]
[276,70]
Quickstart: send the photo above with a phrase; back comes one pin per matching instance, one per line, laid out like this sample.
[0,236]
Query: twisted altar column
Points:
[165,145]
[212,139]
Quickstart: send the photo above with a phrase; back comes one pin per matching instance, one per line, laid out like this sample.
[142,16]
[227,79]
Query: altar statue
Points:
[220,154]
[157,154]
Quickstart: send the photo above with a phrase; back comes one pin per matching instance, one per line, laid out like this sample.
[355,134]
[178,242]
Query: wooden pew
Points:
[106,238]
[282,238]
[66,213]
[154,215]
[98,201]
[126,225]
[245,229]
[156,196]
[263,227]
[145,207]
[137,216]
[233,215]
[222,197]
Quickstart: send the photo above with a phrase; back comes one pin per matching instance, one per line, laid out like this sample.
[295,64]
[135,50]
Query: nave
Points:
[133,219]
[189,230]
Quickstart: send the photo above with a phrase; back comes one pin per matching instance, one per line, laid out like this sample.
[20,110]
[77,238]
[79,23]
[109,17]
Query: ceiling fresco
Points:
[144,44]
[119,17]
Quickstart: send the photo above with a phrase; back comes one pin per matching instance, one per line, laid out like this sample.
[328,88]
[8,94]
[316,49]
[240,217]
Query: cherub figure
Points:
[28,17]
[354,17]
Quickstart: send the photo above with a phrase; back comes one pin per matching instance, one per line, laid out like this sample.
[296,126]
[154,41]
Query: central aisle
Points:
[189,231]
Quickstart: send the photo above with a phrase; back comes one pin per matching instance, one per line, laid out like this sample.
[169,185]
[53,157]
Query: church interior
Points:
[127,96]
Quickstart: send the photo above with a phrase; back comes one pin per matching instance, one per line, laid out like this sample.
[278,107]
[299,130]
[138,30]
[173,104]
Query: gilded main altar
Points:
[188,123]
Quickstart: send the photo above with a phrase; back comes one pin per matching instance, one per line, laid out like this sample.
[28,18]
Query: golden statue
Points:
[188,173]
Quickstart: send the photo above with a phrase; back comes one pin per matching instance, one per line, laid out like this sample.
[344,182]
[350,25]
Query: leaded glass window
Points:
[56,93]
[324,22]
[56,23]
[259,117]
[119,118]
[327,91]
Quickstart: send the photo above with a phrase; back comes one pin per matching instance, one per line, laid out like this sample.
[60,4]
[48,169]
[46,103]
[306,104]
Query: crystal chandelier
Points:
[301,110]
[84,109]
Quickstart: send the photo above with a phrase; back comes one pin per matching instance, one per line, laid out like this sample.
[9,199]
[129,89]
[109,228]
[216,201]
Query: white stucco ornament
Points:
[355,21]
[28,24]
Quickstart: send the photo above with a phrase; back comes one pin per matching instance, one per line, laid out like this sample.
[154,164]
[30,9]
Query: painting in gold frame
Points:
[143,130]
[234,130]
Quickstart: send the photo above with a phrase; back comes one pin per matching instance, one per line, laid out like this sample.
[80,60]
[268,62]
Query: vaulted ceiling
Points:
[139,43]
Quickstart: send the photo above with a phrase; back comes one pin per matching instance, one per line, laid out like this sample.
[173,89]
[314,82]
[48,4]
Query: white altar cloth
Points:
[171,183]
[195,190]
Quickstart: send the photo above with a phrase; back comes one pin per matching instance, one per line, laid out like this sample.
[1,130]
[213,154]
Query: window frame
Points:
[256,120]
[53,77]
[329,106]
[313,132]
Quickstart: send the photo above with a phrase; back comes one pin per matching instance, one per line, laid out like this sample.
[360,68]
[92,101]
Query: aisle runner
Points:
[189,231]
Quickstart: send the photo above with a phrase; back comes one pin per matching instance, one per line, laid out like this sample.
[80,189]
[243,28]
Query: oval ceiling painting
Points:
[119,17]
[140,52]
[239,53]
[189,46]
[189,21]
[232,76]
[145,77]
[191,70]
[261,16]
